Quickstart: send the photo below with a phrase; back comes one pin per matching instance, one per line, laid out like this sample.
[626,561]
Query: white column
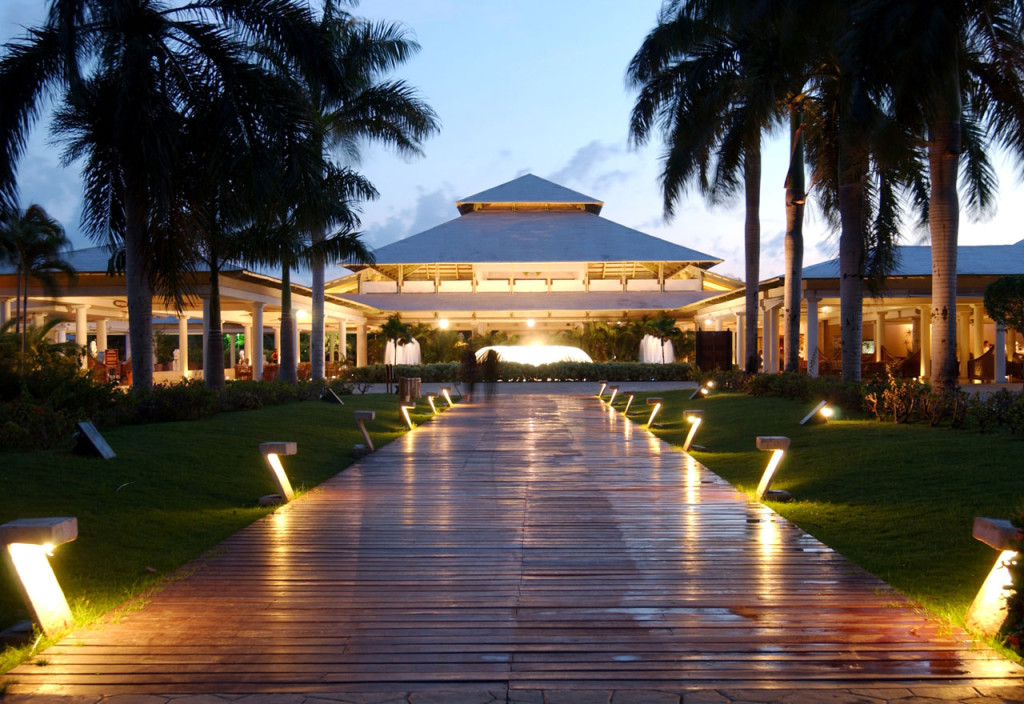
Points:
[101,335]
[739,358]
[183,345]
[718,324]
[361,345]
[295,338]
[1000,354]
[39,320]
[127,343]
[342,339]
[247,346]
[257,339]
[879,334]
[978,339]
[82,333]
[206,333]
[232,342]
[770,341]
[926,341]
[5,310]
[62,333]
[812,336]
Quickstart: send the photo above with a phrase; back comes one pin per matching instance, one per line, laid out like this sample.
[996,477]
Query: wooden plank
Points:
[535,542]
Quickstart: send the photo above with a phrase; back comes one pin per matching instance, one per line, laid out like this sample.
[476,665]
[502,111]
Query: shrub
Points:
[27,425]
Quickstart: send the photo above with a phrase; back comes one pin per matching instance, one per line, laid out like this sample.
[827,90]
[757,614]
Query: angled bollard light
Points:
[405,414]
[601,392]
[656,402]
[629,402]
[361,418]
[777,445]
[702,390]
[272,452]
[988,610]
[820,414]
[694,418]
[29,541]
[430,400]
[447,398]
[614,390]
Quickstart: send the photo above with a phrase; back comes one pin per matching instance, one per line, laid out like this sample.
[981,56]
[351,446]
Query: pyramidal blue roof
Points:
[915,260]
[528,190]
[533,220]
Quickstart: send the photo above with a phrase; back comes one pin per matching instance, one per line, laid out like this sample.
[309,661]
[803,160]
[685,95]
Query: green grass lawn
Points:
[899,500]
[173,491]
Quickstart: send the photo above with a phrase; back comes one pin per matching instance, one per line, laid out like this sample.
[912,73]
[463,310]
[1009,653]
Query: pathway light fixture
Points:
[29,541]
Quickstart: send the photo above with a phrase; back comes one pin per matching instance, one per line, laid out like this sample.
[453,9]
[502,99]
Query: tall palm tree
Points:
[35,244]
[367,108]
[135,67]
[712,78]
[958,80]
[310,193]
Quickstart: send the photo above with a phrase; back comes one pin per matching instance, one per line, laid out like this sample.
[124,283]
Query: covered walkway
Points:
[537,542]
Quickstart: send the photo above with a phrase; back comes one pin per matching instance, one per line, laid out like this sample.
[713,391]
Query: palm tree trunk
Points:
[851,259]
[288,371]
[213,364]
[752,250]
[794,242]
[137,284]
[943,216]
[316,335]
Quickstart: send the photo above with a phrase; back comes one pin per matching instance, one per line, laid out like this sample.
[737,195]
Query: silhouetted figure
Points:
[468,371]
[490,372]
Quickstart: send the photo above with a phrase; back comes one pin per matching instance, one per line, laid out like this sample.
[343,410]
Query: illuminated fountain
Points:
[535,354]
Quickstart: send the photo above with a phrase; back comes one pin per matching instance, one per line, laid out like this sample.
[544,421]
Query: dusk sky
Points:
[527,87]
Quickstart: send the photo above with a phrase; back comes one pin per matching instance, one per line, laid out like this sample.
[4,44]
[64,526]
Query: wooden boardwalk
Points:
[531,543]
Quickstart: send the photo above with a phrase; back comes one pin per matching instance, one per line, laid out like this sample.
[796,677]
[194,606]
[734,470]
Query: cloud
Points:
[584,162]
[431,209]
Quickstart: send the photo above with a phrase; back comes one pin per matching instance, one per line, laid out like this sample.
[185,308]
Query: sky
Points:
[532,86]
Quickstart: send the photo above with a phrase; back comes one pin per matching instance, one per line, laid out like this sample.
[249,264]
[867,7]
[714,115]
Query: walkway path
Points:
[537,546]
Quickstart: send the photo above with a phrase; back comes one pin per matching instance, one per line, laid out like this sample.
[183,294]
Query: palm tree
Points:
[34,243]
[957,80]
[397,333]
[367,108]
[310,193]
[664,328]
[708,75]
[133,69]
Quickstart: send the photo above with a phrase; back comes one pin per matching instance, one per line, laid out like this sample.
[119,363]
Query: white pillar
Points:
[770,341]
[82,333]
[257,339]
[342,339]
[361,345]
[39,320]
[247,346]
[879,334]
[101,335]
[812,336]
[926,341]
[978,339]
[183,345]
[232,342]
[206,333]
[5,310]
[62,333]
[739,357]
[1000,353]
[295,338]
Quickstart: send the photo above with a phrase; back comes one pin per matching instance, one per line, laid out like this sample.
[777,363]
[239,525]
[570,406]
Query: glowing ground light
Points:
[629,403]
[447,398]
[615,391]
[656,402]
[777,445]
[29,541]
[694,418]
[819,414]
[430,400]
[988,610]
[702,390]
[604,385]
[405,414]
[272,452]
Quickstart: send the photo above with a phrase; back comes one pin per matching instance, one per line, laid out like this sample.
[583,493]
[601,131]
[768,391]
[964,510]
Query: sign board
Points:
[110,358]
[89,441]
